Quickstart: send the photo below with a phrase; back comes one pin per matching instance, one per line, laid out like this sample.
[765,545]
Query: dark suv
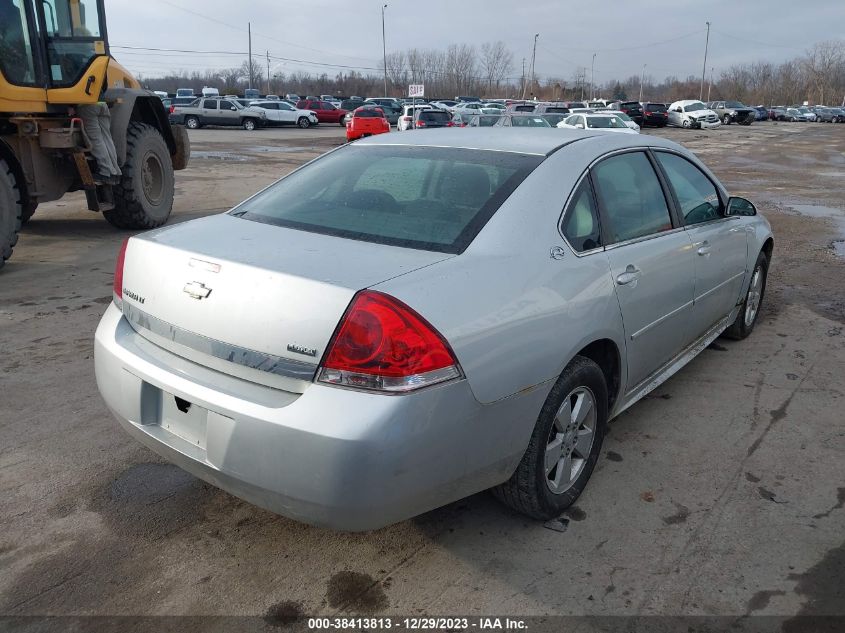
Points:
[632,108]
[424,119]
[655,114]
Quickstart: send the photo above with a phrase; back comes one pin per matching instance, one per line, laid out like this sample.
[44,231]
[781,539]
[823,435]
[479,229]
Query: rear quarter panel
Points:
[514,315]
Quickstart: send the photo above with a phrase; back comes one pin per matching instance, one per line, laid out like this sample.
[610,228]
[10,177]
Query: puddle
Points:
[226,156]
[831,213]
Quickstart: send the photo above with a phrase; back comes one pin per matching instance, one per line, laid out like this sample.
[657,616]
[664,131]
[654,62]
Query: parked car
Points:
[351,104]
[733,112]
[272,98]
[185,92]
[552,108]
[467,99]
[795,115]
[553,119]
[325,111]
[183,101]
[483,120]
[468,108]
[406,120]
[526,106]
[692,114]
[625,118]
[655,114]
[391,107]
[596,121]
[808,114]
[632,108]
[255,368]
[831,115]
[443,104]
[292,97]
[431,118]
[218,111]
[495,104]
[282,113]
[521,119]
[762,113]
[778,114]
[367,120]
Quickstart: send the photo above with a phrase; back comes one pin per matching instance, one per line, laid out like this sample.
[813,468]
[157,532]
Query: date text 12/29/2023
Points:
[417,624]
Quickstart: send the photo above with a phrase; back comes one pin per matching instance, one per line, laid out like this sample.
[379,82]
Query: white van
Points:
[210,92]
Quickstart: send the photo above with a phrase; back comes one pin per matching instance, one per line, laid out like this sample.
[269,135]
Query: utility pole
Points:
[384,49]
[642,79]
[268,73]
[592,77]
[249,31]
[704,69]
[523,78]
[710,85]
[533,57]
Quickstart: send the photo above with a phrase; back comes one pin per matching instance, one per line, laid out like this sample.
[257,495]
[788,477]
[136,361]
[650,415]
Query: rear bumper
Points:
[333,457]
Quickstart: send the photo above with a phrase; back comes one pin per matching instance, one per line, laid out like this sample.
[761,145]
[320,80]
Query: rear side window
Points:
[210,104]
[631,197]
[581,220]
[428,198]
[696,194]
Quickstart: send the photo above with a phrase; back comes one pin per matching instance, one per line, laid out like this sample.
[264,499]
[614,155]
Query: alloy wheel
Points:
[570,440]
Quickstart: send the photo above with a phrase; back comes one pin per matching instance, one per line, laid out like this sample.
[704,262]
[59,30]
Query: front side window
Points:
[228,105]
[696,194]
[605,122]
[581,220]
[16,61]
[631,197]
[428,198]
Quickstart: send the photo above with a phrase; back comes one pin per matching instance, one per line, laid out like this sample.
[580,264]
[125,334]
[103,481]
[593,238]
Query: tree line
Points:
[488,70]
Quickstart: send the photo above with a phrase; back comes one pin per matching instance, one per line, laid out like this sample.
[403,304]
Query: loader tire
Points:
[143,198]
[11,210]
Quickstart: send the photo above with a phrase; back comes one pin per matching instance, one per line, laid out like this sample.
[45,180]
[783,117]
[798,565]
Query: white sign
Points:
[416,90]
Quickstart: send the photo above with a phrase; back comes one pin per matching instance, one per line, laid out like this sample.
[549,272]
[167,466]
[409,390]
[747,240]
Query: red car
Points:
[366,121]
[326,112]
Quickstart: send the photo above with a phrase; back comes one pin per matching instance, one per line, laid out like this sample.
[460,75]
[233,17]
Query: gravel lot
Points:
[721,493]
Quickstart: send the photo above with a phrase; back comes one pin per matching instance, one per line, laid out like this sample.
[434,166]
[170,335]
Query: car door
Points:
[719,241]
[210,112]
[270,110]
[650,258]
[230,114]
[286,113]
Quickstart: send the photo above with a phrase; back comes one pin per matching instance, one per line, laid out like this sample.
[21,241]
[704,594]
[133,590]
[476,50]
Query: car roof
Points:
[539,141]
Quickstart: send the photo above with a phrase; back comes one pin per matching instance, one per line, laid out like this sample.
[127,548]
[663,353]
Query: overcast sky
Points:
[666,36]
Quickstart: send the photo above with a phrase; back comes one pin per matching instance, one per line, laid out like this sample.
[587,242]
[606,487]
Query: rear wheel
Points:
[192,122]
[11,210]
[564,446]
[303,122]
[750,310]
[144,197]
[249,124]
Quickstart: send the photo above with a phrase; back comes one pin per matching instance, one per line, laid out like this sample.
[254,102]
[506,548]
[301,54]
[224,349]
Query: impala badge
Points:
[196,290]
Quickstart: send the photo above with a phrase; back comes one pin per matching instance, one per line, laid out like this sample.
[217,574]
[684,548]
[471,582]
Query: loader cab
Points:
[54,45]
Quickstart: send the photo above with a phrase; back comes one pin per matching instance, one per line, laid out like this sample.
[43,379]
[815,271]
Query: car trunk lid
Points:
[254,300]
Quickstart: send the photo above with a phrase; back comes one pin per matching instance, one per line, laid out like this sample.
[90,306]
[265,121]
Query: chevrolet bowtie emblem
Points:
[196,290]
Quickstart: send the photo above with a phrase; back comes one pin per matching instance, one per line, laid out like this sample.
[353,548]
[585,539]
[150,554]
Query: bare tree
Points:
[496,62]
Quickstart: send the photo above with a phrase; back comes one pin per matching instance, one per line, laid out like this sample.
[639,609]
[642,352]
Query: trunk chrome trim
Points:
[140,321]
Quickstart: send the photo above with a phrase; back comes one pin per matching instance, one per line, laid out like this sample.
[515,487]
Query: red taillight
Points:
[384,345]
[172,109]
[117,285]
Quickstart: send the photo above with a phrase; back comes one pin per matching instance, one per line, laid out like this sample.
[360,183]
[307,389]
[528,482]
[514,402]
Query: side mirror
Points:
[740,206]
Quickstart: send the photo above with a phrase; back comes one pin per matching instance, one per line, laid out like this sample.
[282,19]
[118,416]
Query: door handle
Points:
[631,274]
[89,83]
[704,249]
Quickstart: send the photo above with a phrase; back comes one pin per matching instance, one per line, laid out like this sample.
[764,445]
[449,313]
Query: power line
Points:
[749,41]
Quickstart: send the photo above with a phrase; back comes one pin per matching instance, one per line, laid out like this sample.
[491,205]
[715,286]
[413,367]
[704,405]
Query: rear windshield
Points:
[524,108]
[557,110]
[629,104]
[439,117]
[429,198]
[369,113]
[655,107]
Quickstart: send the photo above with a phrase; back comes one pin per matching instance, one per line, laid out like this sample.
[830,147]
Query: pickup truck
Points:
[217,111]
[733,112]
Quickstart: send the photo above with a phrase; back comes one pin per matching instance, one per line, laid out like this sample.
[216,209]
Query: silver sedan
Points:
[399,324]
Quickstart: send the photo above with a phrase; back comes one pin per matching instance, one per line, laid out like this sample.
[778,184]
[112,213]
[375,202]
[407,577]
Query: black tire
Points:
[341,122]
[11,210]
[742,327]
[192,123]
[147,162]
[249,124]
[686,123]
[528,490]
[726,119]
[303,122]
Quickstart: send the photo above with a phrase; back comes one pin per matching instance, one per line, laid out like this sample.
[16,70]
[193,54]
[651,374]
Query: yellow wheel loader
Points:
[55,63]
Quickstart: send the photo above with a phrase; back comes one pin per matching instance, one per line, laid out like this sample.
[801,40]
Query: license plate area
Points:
[184,419]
